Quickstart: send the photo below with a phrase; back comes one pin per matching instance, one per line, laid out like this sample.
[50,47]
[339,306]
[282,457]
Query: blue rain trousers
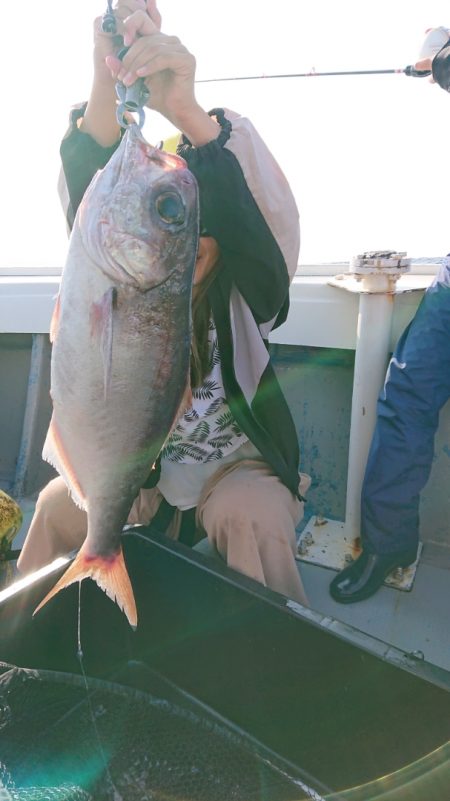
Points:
[416,387]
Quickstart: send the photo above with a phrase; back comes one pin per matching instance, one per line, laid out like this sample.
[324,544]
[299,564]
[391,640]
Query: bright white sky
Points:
[365,156]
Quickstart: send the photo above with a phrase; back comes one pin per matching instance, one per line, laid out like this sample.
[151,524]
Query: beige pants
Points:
[248,515]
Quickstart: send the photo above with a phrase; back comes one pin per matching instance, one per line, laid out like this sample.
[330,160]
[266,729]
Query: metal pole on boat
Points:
[376,274]
[373,277]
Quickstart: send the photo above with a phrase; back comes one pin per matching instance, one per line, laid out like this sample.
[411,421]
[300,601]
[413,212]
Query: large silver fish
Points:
[121,335]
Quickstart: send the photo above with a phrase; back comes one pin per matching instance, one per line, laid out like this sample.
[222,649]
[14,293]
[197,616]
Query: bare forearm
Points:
[197,125]
[99,120]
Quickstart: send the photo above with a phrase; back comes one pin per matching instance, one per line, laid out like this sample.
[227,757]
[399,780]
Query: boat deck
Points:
[415,621]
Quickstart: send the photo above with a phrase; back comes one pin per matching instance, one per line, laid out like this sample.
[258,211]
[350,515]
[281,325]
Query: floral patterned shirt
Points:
[207,431]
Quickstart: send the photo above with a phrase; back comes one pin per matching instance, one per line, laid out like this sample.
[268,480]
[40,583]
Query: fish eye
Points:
[170,208]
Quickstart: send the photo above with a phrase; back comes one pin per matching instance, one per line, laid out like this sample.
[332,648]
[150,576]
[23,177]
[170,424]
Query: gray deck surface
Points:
[412,621]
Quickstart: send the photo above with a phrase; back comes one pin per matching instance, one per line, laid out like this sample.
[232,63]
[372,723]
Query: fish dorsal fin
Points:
[55,454]
[110,575]
[101,319]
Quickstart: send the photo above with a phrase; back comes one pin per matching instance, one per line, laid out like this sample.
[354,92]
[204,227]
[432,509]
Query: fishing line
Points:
[80,656]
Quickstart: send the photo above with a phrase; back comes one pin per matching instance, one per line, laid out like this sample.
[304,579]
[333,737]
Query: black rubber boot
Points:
[366,574]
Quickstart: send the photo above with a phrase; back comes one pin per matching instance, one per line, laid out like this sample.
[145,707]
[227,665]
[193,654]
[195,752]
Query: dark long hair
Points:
[201,315]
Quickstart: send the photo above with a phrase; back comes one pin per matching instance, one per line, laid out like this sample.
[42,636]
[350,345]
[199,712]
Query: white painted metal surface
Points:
[26,303]
[372,350]
[320,316]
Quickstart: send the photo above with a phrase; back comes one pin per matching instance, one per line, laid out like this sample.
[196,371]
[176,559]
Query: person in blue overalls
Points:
[417,386]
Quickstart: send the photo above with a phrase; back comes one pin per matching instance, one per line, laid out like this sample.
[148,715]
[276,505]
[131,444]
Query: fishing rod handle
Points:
[413,73]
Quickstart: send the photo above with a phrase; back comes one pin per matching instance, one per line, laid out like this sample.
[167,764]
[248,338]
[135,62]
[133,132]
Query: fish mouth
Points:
[143,151]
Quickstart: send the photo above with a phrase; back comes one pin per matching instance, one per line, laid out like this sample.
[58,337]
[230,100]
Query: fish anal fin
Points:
[110,574]
[55,454]
[54,323]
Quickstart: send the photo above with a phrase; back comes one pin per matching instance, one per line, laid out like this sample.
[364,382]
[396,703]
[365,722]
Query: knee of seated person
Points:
[246,534]
[245,513]
[52,498]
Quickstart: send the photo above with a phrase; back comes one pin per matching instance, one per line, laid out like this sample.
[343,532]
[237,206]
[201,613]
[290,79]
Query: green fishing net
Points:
[63,739]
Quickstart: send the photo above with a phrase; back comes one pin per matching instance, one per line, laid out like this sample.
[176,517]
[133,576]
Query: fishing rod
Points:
[129,103]
[410,71]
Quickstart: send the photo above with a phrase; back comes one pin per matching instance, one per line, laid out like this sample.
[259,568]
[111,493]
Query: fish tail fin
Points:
[110,575]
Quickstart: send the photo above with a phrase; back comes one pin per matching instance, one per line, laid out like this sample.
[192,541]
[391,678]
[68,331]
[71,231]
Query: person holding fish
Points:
[231,452]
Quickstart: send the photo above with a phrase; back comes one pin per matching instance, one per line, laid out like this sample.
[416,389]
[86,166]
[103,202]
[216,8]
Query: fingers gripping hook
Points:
[127,105]
[131,98]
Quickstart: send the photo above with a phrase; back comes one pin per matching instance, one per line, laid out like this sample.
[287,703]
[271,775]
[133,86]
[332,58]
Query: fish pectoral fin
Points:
[109,574]
[101,318]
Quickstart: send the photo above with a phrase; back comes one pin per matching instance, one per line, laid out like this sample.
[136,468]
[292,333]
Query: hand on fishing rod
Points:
[169,72]
[424,65]
[434,40]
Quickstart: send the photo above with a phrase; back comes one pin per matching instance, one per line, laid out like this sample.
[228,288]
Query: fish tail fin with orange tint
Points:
[110,574]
